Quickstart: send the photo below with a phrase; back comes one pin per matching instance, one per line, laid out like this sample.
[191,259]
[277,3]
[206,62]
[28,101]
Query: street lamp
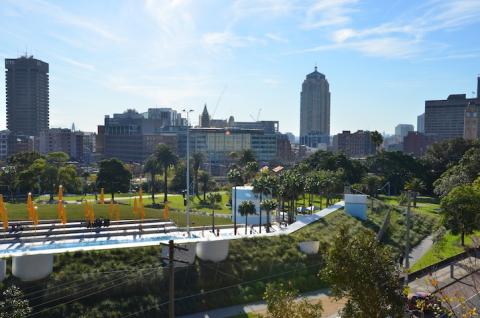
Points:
[187,207]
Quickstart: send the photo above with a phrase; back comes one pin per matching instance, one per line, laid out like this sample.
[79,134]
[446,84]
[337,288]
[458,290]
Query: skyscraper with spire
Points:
[315,110]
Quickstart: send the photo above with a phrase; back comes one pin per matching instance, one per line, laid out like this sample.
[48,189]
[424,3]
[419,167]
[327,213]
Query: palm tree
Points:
[152,167]
[166,158]
[263,185]
[251,168]
[377,139]
[197,161]
[246,207]
[214,198]
[290,186]
[246,156]
[268,205]
[416,186]
[204,179]
[235,177]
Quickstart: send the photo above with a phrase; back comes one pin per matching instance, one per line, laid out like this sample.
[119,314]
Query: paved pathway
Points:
[420,250]
[330,307]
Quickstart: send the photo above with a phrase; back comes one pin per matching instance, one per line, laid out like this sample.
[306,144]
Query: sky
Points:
[246,58]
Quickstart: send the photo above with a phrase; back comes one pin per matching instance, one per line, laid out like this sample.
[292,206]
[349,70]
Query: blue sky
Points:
[382,58]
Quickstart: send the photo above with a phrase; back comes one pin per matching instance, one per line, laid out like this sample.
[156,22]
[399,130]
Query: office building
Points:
[446,118]
[4,138]
[64,140]
[355,145]
[421,123]
[471,122]
[132,137]
[27,95]
[402,130]
[314,106]
[417,143]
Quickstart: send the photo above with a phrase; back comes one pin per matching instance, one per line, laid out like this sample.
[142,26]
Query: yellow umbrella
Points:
[3,214]
[60,193]
[166,212]
[135,206]
[110,210]
[102,197]
[140,197]
[87,210]
[30,209]
[64,215]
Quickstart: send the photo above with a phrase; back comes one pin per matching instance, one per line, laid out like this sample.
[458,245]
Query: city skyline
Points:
[254,55]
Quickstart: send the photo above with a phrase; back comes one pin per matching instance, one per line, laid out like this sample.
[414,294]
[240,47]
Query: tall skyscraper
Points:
[401,130]
[421,123]
[314,108]
[27,95]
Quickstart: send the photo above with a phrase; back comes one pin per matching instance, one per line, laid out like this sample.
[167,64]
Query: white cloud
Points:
[226,39]
[325,13]
[78,64]
[276,37]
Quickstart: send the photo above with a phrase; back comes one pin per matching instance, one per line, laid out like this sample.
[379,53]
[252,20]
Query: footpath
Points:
[330,307]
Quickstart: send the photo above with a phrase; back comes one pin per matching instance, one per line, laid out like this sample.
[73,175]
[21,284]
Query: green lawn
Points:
[248,315]
[449,245]
[18,211]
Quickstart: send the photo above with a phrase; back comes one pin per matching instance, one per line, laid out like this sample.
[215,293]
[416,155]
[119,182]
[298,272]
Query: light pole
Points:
[187,207]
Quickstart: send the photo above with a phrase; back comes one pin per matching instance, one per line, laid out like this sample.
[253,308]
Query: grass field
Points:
[449,245]
[77,212]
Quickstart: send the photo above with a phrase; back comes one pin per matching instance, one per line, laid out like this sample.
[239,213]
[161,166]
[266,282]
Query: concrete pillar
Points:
[3,269]
[32,267]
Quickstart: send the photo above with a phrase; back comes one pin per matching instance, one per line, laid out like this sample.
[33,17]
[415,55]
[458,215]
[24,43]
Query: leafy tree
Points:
[290,186]
[152,167]
[461,210]
[23,160]
[197,161]
[377,139]
[361,270]
[9,178]
[444,154]
[326,160]
[113,176]
[396,168]
[453,177]
[204,179]
[245,208]
[416,186]
[167,159]
[282,302]
[268,205]
[213,198]
[371,183]
[13,305]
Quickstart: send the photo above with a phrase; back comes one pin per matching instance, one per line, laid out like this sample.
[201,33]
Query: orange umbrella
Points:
[3,214]
[60,193]
[166,212]
[102,197]
[135,206]
[91,214]
[30,209]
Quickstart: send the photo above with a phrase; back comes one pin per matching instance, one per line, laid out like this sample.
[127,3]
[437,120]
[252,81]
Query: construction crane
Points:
[258,115]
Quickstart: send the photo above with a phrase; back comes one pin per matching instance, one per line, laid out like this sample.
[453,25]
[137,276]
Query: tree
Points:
[268,205]
[197,161]
[460,210]
[282,302]
[153,168]
[246,207]
[263,185]
[377,139]
[453,177]
[290,186]
[235,177]
[113,176]
[23,160]
[9,178]
[13,305]
[416,186]
[212,199]
[167,159]
[361,270]
[251,168]
[246,156]
[204,179]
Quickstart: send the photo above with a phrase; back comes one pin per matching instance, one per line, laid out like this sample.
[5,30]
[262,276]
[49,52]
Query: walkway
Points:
[330,307]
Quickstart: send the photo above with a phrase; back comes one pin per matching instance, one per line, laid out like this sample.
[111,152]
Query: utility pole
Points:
[407,237]
[171,291]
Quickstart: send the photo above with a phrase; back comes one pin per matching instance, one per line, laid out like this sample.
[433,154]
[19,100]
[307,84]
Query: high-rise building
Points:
[64,140]
[27,95]
[445,119]
[356,145]
[314,106]
[402,130]
[471,122]
[421,123]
